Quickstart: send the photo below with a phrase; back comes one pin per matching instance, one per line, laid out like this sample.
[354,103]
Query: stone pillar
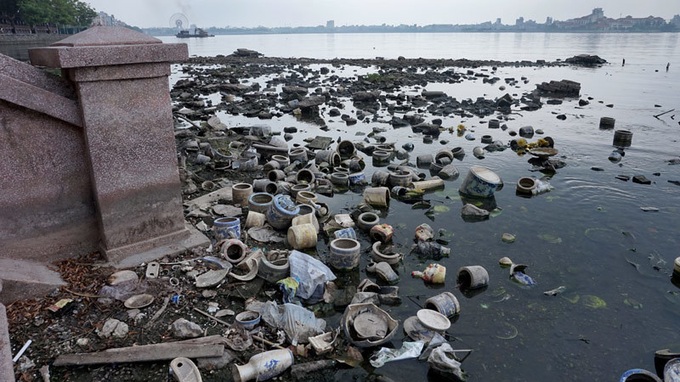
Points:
[121,77]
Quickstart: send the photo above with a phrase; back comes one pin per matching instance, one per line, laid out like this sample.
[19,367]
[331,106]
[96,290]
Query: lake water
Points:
[588,234]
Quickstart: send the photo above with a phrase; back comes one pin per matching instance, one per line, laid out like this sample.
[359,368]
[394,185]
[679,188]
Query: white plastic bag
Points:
[408,350]
[312,275]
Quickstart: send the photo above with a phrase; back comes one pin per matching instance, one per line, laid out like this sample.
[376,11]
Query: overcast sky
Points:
[272,13]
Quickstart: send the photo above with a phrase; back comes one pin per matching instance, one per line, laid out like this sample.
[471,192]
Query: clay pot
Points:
[400,178]
[302,236]
[344,253]
[233,250]
[481,182]
[281,212]
[304,176]
[526,186]
[264,366]
[346,149]
[282,159]
[340,179]
[255,219]
[227,228]
[308,218]
[381,232]
[294,189]
[380,253]
[377,196]
[424,161]
[329,156]
[240,193]
[265,185]
[306,197]
[260,202]
[445,303]
[426,185]
[367,220]
[352,313]
[380,178]
[298,154]
[473,277]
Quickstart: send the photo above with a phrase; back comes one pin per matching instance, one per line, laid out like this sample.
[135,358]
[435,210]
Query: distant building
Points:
[330,24]
[548,20]
[676,20]
[519,21]
[596,15]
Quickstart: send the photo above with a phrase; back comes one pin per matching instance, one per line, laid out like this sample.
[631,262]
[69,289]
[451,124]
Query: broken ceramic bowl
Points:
[138,301]
[381,327]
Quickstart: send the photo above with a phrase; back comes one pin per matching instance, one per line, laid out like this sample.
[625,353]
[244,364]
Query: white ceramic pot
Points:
[481,182]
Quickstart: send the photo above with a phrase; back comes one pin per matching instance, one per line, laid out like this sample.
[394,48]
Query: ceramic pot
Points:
[260,202]
[481,182]
[233,250]
[273,267]
[264,366]
[298,154]
[473,277]
[340,179]
[305,197]
[296,188]
[329,156]
[622,138]
[308,218]
[367,220]
[302,236]
[304,176]
[445,303]
[380,253]
[426,185]
[380,178]
[526,186]
[400,178]
[344,253]
[347,233]
[424,161]
[377,196]
[281,212]
[346,149]
[240,193]
[381,232]
[227,228]
[607,123]
[255,219]
[265,185]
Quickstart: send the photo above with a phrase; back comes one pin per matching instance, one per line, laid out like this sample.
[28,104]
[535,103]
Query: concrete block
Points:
[24,279]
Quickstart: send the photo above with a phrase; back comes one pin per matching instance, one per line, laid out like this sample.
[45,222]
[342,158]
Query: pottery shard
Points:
[472,211]
[183,328]
[211,278]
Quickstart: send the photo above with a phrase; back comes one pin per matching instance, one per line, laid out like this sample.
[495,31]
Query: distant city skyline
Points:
[274,13]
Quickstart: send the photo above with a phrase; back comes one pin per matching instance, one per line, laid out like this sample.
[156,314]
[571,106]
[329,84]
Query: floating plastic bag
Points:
[289,287]
[408,350]
[312,275]
[541,187]
[444,361]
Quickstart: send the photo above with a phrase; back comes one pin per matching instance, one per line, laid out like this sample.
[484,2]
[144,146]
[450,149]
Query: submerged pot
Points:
[344,254]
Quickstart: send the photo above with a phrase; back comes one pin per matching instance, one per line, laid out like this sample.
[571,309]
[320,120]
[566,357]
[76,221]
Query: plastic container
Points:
[227,228]
[264,366]
[344,253]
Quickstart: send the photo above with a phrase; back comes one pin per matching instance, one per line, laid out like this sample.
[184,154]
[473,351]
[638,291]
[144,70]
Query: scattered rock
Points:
[113,327]
[183,328]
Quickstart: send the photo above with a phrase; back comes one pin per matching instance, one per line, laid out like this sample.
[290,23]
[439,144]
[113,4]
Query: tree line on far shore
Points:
[54,12]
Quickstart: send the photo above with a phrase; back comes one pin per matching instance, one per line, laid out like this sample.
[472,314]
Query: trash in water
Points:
[431,250]
[443,362]
[355,310]
[556,291]
[408,350]
[434,274]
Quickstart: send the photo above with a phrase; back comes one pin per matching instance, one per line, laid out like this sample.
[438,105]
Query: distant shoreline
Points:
[414,32]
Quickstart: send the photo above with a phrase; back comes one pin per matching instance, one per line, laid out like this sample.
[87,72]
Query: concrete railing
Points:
[88,158]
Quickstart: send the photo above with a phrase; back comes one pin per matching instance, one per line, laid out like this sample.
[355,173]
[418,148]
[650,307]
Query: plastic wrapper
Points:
[312,275]
[408,350]
[289,287]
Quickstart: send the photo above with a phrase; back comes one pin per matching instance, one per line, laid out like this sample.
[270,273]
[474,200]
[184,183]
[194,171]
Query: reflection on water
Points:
[588,234]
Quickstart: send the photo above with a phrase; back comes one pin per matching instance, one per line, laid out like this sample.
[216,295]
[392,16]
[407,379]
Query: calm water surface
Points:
[587,234]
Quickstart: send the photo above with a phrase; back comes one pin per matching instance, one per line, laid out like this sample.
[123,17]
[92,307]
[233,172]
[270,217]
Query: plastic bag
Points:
[298,322]
[408,350]
[443,360]
[312,275]
[541,187]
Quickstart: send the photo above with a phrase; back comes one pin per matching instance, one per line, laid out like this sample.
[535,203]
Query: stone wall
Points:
[45,190]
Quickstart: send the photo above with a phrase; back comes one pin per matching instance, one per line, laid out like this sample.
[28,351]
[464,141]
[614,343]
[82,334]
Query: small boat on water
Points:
[198,32]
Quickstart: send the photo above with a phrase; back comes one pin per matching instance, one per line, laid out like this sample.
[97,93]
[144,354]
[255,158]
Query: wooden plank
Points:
[212,346]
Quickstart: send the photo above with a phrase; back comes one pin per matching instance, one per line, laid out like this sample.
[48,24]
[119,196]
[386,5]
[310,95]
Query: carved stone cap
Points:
[107,46]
